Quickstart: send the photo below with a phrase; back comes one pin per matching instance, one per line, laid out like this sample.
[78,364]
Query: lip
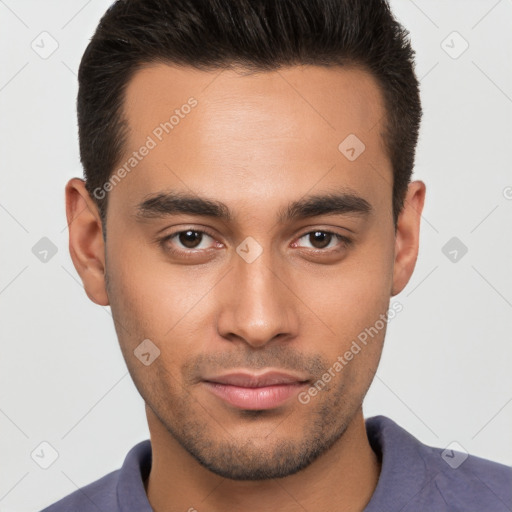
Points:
[256,380]
[255,391]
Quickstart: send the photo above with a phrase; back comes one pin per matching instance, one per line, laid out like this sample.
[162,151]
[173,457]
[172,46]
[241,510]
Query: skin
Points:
[254,142]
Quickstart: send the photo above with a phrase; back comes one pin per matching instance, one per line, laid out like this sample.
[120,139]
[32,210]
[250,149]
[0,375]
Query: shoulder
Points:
[422,477]
[120,490]
[467,480]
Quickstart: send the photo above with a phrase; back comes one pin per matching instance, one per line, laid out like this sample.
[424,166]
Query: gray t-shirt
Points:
[414,478]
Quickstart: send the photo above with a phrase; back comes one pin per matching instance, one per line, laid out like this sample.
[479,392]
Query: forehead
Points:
[213,131]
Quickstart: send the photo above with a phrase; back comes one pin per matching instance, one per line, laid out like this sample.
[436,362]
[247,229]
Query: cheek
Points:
[164,303]
[350,299]
[351,296]
[143,309]
[148,291]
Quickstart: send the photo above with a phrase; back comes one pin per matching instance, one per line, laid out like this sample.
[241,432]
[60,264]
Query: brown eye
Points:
[323,240]
[189,238]
[187,242]
[320,239]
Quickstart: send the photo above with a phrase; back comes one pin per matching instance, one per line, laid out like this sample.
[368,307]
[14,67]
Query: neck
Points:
[343,478]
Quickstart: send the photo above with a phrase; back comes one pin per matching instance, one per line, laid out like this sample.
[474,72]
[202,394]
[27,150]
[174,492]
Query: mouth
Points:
[249,391]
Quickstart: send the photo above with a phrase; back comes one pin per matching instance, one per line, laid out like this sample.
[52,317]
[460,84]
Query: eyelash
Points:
[345,242]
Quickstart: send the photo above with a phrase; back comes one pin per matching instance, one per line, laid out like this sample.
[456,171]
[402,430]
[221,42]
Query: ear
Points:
[86,245]
[408,236]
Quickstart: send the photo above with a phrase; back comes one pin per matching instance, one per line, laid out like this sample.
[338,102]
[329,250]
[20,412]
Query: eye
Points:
[193,242]
[186,241]
[325,241]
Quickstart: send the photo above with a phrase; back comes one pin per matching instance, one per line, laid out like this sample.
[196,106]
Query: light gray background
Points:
[445,372]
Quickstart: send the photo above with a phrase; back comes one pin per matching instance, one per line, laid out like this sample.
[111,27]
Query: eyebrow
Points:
[161,205]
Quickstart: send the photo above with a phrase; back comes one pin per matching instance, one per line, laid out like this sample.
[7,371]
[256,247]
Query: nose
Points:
[258,305]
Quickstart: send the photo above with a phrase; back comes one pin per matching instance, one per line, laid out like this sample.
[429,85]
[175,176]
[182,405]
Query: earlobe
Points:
[407,236]
[86,245]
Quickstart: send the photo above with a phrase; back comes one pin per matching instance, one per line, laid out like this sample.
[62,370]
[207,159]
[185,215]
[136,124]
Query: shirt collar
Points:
[131,494]
[404,471]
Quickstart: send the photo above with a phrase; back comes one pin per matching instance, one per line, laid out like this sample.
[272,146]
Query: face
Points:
[267,275]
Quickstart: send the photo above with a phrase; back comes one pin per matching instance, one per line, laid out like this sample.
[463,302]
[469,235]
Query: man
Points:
[247,214]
